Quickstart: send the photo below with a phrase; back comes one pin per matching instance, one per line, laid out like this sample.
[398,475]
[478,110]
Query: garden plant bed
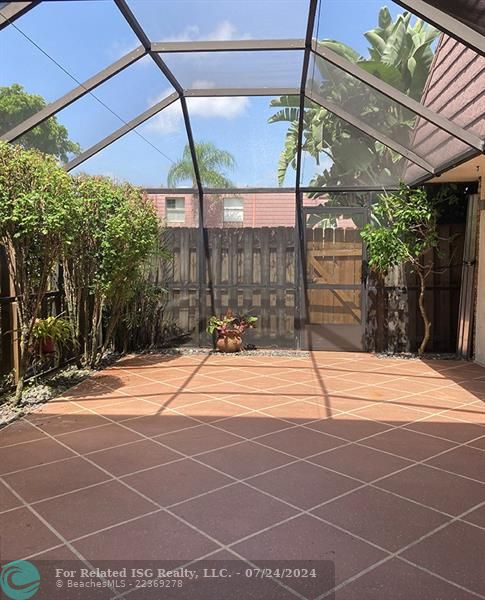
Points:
[45,387]
[40,391]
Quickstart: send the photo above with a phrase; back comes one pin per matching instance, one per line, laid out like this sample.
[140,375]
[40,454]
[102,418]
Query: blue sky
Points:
[84,36]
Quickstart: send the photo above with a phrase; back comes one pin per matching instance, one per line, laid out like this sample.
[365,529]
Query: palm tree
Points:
[212,163]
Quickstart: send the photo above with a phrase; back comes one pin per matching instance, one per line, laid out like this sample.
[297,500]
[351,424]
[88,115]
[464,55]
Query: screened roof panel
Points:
[166,131]
[135,89]
[436,145]
[413,173]
[344,155]
[143,169]
[86,121]
[387,117]
[240,127]
[23,64]
[83,37]
[186,20]
[238,69]
[142,156]
[430,113]
[454,70]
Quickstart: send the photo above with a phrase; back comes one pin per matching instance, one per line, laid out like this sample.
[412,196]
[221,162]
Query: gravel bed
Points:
[41,391]
[415,356]
[45,387]
[187,351]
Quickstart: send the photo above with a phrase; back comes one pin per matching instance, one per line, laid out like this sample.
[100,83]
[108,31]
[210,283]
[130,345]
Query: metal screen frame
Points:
[445,21]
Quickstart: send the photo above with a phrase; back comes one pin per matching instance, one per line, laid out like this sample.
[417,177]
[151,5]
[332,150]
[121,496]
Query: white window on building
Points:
[175,210]
[233,210]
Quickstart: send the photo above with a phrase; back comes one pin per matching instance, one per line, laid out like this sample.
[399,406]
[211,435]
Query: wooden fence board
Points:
[253,270]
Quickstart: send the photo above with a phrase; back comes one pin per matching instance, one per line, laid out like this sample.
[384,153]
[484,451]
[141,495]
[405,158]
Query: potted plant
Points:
[229,330]
[51,333]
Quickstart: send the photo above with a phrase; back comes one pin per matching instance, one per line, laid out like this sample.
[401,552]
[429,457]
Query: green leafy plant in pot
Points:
[51,334]
[229,330]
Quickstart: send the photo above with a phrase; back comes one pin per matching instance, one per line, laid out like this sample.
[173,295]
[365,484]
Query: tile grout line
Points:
[53,530]
[275,497]
[236,480]
[287,464]
[291,456]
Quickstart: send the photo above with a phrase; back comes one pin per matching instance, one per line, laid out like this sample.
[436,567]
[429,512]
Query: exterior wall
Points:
[259,210]
[480,305]
[456,89]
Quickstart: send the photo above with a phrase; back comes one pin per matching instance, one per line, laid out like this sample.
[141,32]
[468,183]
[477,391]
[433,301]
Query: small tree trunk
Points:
[97,313]
[109,333]
[23,363]
[424,314]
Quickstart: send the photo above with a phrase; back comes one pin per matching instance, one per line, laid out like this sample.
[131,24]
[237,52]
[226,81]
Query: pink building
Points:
[231,210]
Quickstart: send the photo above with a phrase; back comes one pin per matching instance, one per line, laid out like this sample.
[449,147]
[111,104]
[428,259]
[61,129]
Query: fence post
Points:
[300,279]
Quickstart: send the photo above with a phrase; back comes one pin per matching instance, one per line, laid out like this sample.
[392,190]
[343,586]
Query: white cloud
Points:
[219,108]
[223,107]
[225,30]
[170,120]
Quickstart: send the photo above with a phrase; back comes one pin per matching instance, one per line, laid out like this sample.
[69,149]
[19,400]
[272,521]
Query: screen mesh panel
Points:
[211,20]
[48,50]
[83,37]
[135,89]
[145,155]
[23,65]
[432,68]
[259,69]
[239,126]
[336,153]
[387,117]
[85,122]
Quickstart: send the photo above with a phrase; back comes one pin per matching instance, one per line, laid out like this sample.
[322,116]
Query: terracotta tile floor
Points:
[377,463]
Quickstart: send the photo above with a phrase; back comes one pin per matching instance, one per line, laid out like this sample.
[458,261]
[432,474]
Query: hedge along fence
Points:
[101,231]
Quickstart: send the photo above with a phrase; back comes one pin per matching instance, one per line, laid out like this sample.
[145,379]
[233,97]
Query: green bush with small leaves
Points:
[404,228]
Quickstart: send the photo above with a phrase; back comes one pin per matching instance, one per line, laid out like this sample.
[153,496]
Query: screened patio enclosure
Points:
[136,82]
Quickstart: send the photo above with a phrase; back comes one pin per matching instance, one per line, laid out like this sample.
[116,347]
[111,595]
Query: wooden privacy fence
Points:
[253,270]
[249,270]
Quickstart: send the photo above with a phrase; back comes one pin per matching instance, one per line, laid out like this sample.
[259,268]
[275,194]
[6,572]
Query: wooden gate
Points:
[335,295]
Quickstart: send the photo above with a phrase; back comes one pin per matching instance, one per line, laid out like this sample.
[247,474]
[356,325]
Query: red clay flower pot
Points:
[229,342]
